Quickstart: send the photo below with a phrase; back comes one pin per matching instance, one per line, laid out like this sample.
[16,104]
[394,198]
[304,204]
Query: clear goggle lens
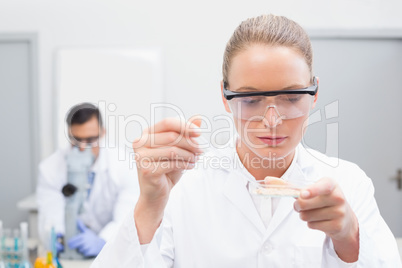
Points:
[287,106]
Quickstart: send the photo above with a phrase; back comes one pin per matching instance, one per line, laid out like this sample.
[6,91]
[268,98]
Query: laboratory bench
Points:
[76,264]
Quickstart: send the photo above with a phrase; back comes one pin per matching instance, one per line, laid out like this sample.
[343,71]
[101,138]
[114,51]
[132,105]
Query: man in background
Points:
[112,187]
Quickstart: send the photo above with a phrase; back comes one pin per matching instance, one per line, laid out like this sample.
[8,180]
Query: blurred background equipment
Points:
[78,166]
[14,249]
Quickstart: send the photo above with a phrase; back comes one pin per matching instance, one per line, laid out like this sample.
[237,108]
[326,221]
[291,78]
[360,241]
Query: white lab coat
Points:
[114,192]
[211,221]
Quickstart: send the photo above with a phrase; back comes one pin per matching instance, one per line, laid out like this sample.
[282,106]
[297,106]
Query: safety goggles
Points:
[89,141]
[288,104]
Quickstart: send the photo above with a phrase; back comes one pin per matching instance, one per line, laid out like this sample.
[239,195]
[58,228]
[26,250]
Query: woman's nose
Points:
[272,117]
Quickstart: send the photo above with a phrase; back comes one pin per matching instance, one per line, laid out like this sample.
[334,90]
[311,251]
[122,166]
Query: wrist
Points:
[148,216]
[347,246]
[350,234]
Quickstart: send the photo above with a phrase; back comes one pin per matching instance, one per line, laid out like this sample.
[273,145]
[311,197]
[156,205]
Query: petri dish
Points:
[261,188]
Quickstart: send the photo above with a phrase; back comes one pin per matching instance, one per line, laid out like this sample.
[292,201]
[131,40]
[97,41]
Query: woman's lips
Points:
[272,140]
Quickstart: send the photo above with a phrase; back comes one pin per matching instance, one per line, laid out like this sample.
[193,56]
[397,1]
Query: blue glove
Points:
[59,245]
[87,242]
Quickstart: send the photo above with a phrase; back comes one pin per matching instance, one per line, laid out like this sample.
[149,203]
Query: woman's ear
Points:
[225,101]
[316,94]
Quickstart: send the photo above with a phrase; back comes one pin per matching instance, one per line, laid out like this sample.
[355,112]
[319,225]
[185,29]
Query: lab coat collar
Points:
[306,168]
[235,189]
[294,175]
[297,173]
[300,174]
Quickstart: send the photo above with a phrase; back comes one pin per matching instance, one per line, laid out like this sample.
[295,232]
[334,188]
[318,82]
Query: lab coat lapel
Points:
[285,207]
[235,190]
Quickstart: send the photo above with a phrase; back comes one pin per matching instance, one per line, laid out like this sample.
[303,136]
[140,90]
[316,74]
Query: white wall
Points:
[192,36]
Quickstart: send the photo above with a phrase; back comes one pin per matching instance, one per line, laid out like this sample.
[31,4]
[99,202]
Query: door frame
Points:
[31,38]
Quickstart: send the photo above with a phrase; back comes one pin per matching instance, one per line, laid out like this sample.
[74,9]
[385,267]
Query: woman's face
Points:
[266,68]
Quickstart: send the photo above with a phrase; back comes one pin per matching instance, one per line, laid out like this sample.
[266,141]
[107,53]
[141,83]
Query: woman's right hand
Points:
[162,153]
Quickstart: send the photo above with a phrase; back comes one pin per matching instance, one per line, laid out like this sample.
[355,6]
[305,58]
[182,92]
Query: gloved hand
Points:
[87,242]
[59,245]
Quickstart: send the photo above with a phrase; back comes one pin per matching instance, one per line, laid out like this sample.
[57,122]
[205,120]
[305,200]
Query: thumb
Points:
[81,226]
[196,120]
[193,124]
[274,181]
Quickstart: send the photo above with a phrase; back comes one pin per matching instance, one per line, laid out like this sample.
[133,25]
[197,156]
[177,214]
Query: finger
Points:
[324,186]
[81,226]
[186,129]
[196,120]
[317,202]
[75,241]
[87,252]
[329,226]
[164,167]
[274,181]
[171,139]
[322,214]
[84,248]
[59,247]
[168,153]
[176,125]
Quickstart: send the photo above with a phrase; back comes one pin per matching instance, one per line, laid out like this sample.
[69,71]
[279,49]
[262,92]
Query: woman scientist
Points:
[208,218]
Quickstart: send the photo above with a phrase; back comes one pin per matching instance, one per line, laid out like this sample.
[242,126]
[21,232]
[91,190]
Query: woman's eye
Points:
[292,98]
[250,101]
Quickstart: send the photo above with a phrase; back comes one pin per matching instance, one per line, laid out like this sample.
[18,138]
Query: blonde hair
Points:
[267,30]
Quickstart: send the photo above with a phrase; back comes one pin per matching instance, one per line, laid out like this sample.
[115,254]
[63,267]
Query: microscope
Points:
[75,192]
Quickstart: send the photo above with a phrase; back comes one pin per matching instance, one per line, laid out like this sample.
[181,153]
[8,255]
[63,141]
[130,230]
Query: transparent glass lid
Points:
[274,187]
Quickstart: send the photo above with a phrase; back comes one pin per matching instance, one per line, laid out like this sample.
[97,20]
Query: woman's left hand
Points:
[324,207]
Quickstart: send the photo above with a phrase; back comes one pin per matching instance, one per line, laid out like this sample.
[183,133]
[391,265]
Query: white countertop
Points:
[28,203]
[76,264]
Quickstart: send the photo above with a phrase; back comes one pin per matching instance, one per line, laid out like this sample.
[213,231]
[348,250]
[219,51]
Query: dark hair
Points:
[82,113]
